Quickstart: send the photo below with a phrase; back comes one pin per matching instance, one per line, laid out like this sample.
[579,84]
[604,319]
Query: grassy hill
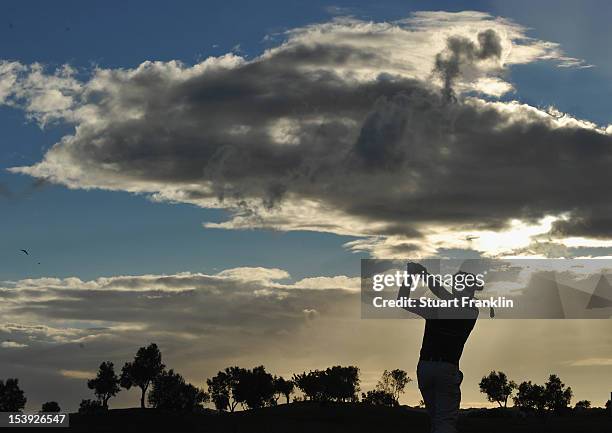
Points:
[331,417]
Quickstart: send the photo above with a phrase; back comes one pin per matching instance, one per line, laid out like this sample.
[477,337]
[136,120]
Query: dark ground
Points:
[324,418]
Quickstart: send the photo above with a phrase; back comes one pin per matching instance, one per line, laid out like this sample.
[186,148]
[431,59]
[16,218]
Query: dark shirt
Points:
[445,331]
[444,339]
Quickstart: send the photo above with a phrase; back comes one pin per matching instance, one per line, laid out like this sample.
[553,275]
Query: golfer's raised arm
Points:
[405,292]
[434,284]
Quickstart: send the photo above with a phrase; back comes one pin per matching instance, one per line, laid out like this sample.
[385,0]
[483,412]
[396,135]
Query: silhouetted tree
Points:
[106,383]
[255,388]
[222,388]
[530,397]
[379,397]
[91,406]
[219,391]
[283,387]
[341,383]
[393,382]
[497,387]
[147,365]
[50,406]
[311,384]
[12,398]
[170,392]
[335,383]
[582,404]
[553,396]
[557,396]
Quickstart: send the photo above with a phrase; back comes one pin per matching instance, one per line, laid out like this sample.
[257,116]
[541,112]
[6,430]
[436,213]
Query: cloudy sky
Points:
[208,177]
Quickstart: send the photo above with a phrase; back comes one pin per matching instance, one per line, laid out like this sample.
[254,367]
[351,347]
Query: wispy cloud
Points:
[78,374]
[12,344]
[592,362]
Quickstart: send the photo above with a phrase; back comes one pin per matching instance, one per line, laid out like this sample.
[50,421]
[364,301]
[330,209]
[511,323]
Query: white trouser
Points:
[439,383]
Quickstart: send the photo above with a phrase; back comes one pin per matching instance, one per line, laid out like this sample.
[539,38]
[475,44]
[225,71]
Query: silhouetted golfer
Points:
[446,331]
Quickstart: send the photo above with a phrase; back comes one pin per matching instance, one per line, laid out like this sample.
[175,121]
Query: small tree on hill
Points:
[106,384]
[141,372]
[553,396]
[255,388]
[557,396]
[222,388]
[171,392]
[379,397]
[393,382]
[335,383]
[50,406]
[91,406]
[582,404]
[311,384]
[341,383]
[12,398]
[530,397]
[497,387]
[283,387]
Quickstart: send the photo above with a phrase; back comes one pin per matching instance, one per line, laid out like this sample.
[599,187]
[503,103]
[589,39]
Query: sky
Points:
[208,176]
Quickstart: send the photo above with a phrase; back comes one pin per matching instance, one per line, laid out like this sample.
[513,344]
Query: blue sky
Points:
[90,233]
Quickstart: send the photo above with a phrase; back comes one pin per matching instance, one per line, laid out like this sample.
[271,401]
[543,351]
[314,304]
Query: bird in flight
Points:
[27,254]
[471,238]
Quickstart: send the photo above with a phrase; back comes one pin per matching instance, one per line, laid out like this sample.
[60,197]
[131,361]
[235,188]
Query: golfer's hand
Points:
[415,268]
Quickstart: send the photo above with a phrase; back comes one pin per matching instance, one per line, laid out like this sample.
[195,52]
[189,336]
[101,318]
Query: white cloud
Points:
[259,274]
[72,311]
[12,345]
[337,282]
[78,374]
[592,362]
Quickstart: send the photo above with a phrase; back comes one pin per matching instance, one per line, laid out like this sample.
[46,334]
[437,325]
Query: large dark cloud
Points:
[343,128]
